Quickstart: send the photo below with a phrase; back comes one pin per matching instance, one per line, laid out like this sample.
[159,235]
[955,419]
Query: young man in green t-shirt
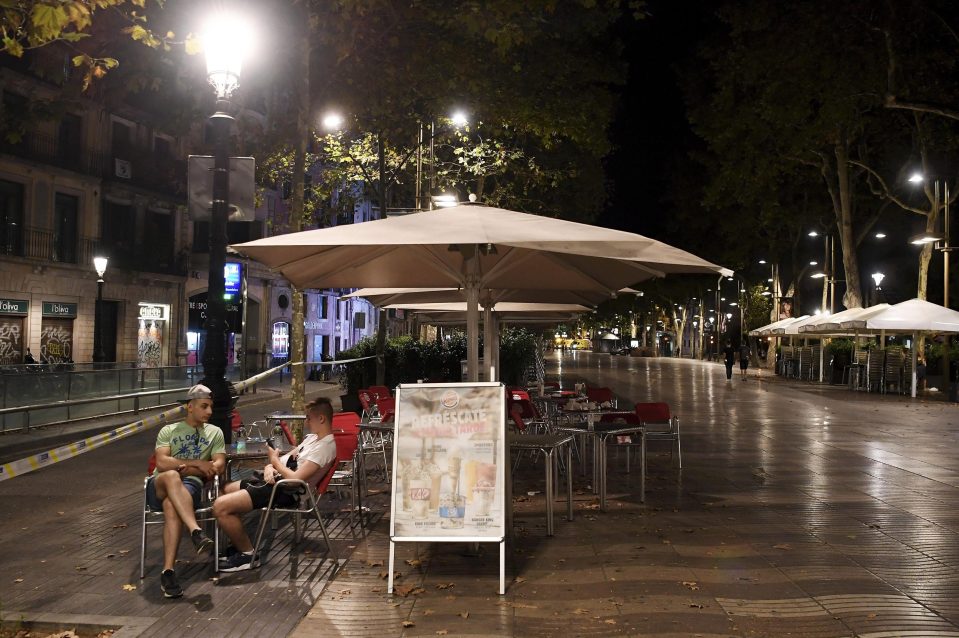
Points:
[188,454]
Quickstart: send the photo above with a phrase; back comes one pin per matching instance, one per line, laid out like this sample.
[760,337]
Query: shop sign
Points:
[14,306]
[158,312]
[59,309]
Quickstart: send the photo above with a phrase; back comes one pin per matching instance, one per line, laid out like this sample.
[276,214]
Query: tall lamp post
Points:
[941,241]
[877,277]
[100,264]
[223,43]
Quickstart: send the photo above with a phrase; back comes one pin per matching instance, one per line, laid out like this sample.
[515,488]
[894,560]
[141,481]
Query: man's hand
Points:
[269,474]
[203,469]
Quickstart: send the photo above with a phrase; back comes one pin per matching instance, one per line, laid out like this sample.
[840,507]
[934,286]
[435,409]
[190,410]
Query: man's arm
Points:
[165,462]
[304,469]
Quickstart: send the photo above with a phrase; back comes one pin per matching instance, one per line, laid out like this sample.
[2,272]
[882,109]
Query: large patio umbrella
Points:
[762,331]
[832,324]
[471,247]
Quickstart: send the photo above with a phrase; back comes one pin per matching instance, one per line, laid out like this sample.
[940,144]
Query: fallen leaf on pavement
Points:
[783,546]
[129,587]
[696,605]
[580,611]
[610,621]
[403,590]
[520,579]
[345,592]
[464,614]
[19,580]
[442,632]
[414,562]
[692,585]
[374,563]
[120,526]
[409,623]
[445,585]
[428,612]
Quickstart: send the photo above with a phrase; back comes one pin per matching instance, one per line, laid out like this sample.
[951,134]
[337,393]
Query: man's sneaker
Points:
[237,562]
[168,583]
[201,542]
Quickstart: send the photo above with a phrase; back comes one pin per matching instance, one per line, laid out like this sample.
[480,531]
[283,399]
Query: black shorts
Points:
[260,492]
[743,364]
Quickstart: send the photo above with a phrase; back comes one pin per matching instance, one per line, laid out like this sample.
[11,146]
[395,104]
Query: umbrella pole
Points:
[496,372]
[488,330]
[472,291]
[915,342]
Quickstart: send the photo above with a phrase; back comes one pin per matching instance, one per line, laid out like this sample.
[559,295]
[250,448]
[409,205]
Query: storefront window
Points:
[281,341]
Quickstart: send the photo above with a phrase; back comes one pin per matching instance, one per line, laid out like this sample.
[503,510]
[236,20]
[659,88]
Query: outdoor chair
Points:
[875,369]
[814,363]
[627,441]
[345,476]
[307,505]
[601,395]
[346,421]
[518,393]
[892,369]
[660,426]
[387,409]
[805,362]
[366,401]
[204,514]
[380,392]
[528,414]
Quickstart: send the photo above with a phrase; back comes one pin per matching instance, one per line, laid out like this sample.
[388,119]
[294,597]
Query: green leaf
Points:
[78,60]
[48,20]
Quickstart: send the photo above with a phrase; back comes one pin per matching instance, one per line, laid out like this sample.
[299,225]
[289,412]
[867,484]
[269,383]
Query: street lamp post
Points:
[941,241]
[877,277]
[223,44]
[100,264]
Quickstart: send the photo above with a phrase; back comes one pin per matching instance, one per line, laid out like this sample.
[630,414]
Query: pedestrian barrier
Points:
[64,452]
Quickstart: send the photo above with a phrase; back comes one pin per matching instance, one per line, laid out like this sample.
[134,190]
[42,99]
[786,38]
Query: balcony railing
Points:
[42,244]
[136,166]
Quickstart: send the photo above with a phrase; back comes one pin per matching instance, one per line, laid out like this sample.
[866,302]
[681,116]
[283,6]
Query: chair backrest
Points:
[528,411]
[516,414]
[346,443]
[518,394]
[288,433]
[346,421]
[600,395]
[366,399]
[387,408]
[652,412]
[325,481]
[152,464]
[379,392]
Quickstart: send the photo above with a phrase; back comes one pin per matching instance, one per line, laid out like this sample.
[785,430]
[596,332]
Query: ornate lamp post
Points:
[100,264]
[224,42]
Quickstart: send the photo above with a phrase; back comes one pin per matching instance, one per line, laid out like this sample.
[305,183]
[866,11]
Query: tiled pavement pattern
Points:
[801,511]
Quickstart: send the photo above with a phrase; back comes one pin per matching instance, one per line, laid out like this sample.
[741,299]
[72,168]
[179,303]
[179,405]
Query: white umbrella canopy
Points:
[793,327]
[472,247]
[832,324]
[782,323]
[915,315]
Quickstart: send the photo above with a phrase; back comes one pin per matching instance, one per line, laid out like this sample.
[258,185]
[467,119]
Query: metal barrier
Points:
[57,407]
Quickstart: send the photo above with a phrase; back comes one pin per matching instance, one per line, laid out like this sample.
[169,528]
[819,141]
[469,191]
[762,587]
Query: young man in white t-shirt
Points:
[313,459]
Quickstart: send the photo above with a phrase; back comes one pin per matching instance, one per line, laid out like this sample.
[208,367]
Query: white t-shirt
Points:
[320,451]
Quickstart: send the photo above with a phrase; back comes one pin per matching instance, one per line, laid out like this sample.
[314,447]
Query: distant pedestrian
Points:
[28,358]
[729,354]
[743,359]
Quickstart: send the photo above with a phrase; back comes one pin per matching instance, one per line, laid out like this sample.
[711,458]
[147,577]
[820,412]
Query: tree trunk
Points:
[852,298]
[297,338]
[925,256]
[381,328]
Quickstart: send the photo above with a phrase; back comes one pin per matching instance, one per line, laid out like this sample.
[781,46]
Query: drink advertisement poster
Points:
[449,462]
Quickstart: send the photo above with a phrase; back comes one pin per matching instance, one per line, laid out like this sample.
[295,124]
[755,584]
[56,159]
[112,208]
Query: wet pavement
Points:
[800,510]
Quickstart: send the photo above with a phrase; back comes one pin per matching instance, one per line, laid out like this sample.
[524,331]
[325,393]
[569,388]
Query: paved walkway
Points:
[800,511]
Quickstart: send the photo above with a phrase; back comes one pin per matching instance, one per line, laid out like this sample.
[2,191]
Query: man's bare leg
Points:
[172,528]
[170,488]
[229,509]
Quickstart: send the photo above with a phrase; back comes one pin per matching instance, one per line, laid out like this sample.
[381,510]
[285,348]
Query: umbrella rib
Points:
[431,257]
[509,260]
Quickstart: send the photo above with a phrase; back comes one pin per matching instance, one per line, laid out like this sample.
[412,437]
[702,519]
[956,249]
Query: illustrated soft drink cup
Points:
[419,490]
[482,501]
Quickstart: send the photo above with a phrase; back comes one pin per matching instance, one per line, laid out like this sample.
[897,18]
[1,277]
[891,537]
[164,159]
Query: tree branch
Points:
[892,102]
[886,193]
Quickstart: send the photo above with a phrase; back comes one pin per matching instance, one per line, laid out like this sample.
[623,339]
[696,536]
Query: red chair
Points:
[601,395]
[307,505]
[660,425]
[288,433]
[379,392]
[518,394]
[346,422]
[516,415]
[366,401]
[387,409]
[527,413]
[345,477]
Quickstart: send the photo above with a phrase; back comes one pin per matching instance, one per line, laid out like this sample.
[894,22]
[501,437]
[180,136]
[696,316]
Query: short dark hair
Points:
[321,405]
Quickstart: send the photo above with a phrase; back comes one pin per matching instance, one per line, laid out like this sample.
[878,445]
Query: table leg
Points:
[357,485]
[549,492]
[600,442]
[642,469]
[569,480]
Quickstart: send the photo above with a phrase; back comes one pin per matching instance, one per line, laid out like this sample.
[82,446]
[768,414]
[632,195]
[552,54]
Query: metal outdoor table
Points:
[370,428]
[255,451]
[272,420]
[548,444]
[575,420]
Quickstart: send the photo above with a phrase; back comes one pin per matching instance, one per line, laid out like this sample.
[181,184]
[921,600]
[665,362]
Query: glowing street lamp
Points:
[100,265]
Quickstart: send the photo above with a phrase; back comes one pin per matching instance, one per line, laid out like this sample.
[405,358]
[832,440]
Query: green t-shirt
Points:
[190,444]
